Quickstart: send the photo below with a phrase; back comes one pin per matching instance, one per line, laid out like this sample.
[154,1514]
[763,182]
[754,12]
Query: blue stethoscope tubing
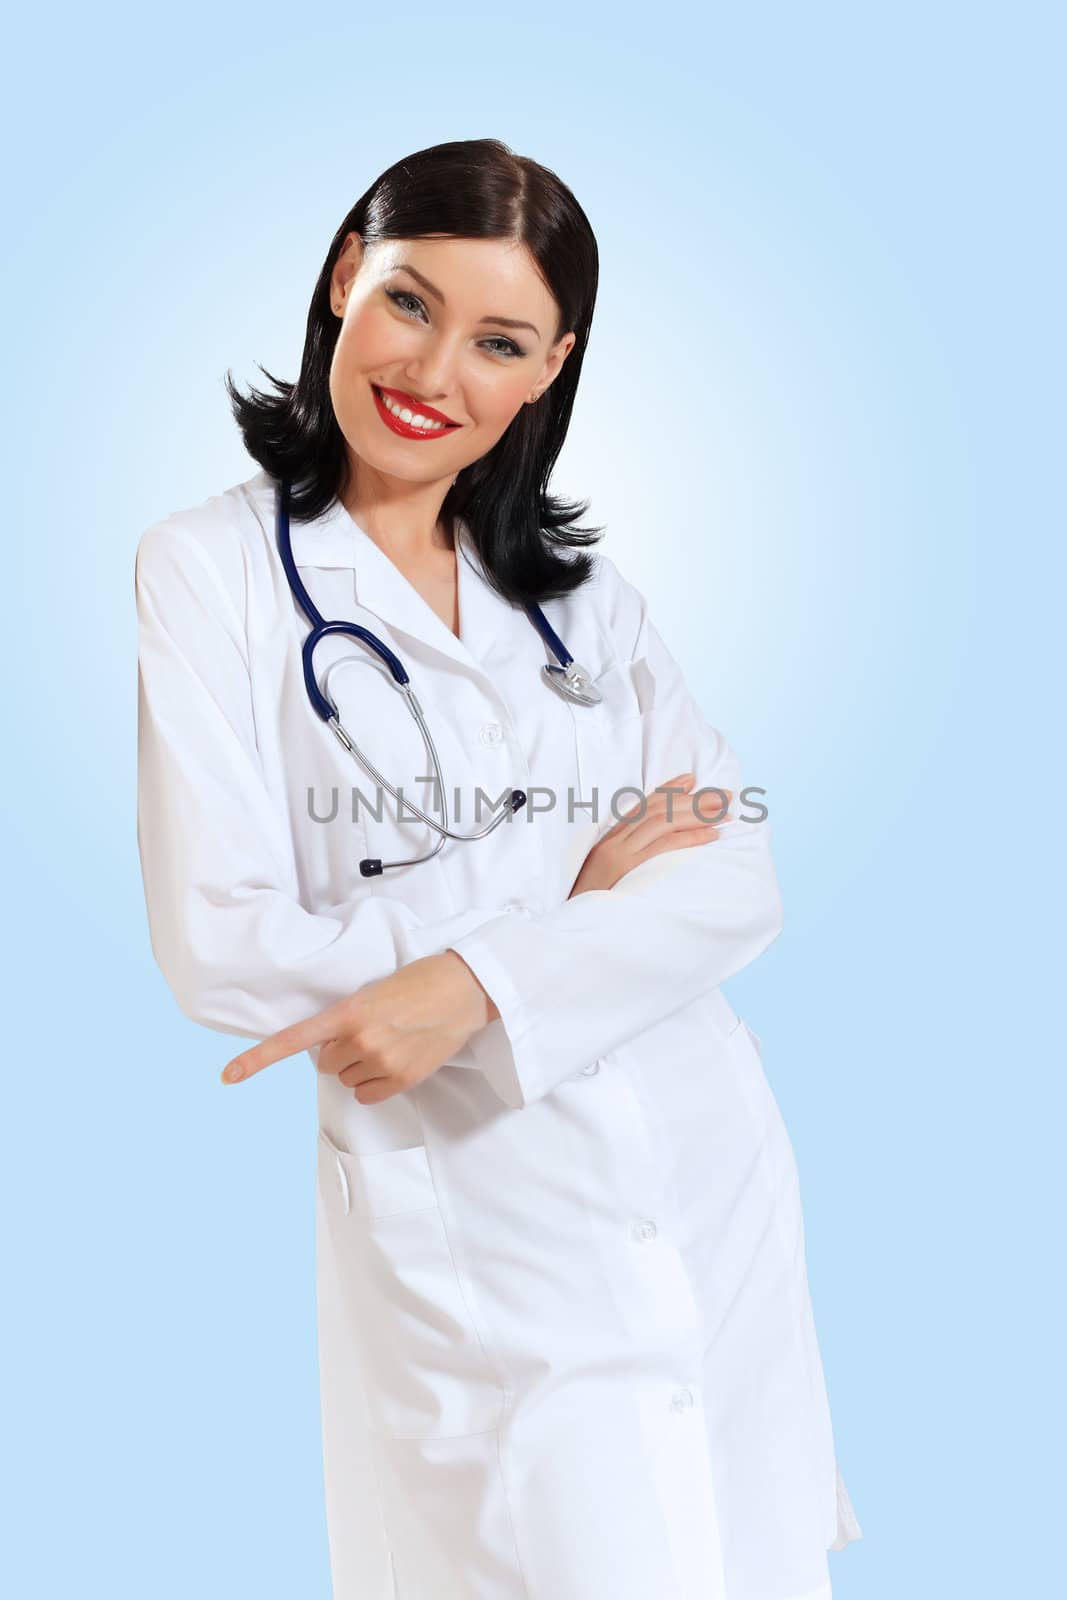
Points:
[567,678]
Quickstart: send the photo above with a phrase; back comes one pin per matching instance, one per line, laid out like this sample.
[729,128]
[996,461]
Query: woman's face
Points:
[444,327]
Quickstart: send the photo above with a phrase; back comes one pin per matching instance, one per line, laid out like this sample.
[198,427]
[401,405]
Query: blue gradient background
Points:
[817,419]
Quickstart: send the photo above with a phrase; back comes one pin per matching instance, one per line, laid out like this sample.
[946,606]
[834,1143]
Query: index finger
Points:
[286,1042]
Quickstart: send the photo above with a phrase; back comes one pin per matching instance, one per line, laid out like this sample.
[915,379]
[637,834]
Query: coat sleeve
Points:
[580,980]
[238,950]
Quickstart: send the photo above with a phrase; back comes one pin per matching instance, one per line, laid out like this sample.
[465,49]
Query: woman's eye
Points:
[401,294]
[504,347]
[510,347]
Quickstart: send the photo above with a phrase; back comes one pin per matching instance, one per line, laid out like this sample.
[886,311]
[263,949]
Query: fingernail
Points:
[231,1074]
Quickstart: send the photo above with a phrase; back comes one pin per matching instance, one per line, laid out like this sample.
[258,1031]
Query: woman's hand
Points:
[390,1034]
[393,1033]
[668,823]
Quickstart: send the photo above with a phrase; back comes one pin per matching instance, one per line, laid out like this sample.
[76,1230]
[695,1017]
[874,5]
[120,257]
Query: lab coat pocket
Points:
[778,1161]
[609,739]
[383,1184]
[738,1022]
[778,1166]
[745,1052]
[404,1307]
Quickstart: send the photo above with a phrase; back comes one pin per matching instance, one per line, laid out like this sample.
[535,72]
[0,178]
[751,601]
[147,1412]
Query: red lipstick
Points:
[417,408]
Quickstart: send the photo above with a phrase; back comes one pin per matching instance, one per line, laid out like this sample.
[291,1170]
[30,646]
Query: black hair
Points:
[468,188]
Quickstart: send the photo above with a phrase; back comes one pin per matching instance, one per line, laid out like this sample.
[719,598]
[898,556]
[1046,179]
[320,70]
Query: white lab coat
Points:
[566,1340]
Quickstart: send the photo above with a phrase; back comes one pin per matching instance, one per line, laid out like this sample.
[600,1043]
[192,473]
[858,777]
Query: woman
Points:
[566,1342]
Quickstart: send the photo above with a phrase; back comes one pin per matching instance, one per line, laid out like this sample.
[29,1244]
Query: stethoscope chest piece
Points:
[572,682]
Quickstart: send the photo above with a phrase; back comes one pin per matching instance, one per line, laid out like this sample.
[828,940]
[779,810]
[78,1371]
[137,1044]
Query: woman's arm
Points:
[238,950]
[589,975]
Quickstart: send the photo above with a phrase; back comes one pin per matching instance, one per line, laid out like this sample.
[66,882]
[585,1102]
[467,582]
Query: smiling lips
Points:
[403,413]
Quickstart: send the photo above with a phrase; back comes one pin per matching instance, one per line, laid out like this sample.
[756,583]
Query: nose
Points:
[431,376]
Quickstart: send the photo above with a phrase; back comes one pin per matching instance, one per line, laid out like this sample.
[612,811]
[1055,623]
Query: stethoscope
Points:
[567,678]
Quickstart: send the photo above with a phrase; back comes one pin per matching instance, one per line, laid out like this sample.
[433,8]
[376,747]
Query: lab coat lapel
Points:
[335,540]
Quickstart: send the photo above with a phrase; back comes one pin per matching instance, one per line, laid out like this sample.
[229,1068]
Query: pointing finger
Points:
[288,1041]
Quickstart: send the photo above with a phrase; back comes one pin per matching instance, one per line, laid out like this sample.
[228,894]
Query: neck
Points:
[404,519]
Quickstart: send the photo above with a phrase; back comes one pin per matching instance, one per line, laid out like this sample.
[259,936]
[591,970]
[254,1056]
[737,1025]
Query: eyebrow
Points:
[507,322]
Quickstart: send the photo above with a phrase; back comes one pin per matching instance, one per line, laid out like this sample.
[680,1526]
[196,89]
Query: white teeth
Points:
[413,419]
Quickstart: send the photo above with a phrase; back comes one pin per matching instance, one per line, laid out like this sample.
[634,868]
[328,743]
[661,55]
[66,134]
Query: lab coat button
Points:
[491,733]
[645,1230]
[586,1072]
[681,1400]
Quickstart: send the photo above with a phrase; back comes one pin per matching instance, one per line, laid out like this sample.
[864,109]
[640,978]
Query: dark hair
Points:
[478,189]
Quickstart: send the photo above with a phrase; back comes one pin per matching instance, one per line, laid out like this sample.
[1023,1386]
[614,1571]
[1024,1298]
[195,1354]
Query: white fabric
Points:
[566,1341]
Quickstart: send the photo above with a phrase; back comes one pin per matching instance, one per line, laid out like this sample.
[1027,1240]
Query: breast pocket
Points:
[427,1370]
[610,739]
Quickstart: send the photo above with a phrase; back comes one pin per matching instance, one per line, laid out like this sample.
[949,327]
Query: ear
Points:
[345,268]
[553,361]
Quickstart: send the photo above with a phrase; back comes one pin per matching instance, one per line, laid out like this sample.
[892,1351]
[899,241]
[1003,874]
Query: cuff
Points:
[497,1049]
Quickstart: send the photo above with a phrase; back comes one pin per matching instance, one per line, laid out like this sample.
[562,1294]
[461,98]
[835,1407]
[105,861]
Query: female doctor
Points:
[422,791]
